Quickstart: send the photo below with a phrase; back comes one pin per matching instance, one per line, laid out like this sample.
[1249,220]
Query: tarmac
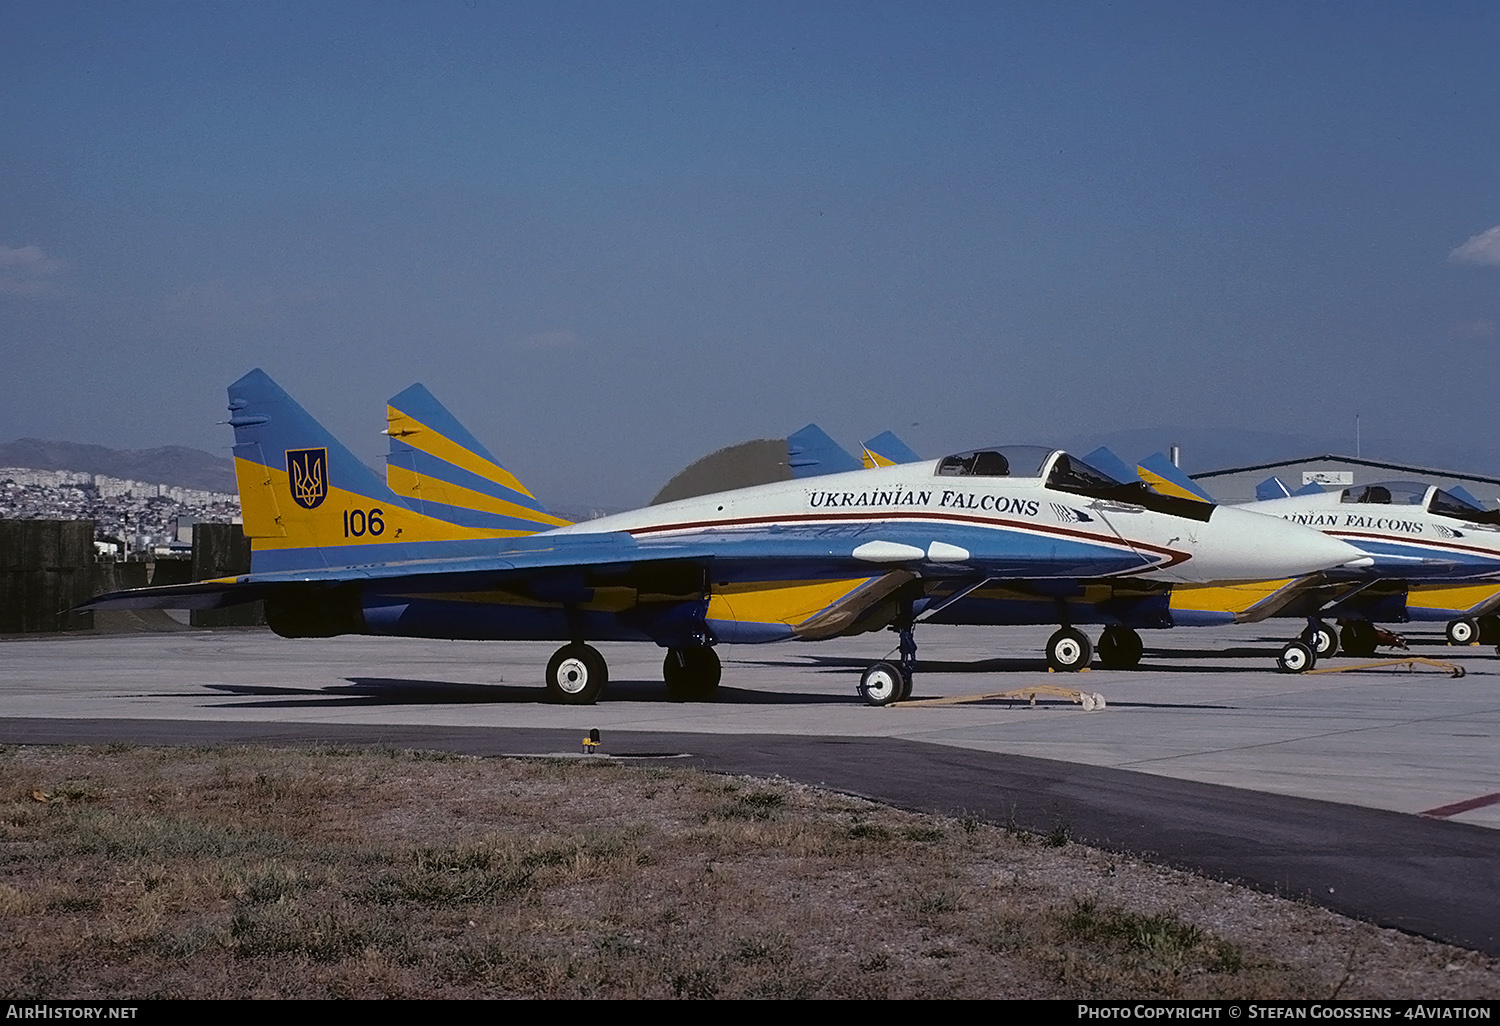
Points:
[1374,792]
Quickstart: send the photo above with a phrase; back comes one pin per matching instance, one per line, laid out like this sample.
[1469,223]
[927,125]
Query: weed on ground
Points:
[322,873]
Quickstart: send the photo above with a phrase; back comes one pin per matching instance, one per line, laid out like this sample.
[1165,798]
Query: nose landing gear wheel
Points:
[1295,658]
[692,674]
[576,675]
[1462,632]
[1322,640]
[883,684]
[1069,650]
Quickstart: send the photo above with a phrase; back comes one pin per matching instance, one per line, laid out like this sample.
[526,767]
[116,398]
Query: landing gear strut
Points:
[888,682]
[692,674]
[576,675]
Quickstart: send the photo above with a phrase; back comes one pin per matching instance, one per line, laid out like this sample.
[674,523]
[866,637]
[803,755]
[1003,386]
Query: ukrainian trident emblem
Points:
[307,473]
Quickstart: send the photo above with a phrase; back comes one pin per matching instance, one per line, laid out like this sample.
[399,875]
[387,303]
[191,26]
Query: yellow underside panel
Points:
[431,489]
[1231,598]
[419,436]
[788,602]
[1464,599]
[275,521]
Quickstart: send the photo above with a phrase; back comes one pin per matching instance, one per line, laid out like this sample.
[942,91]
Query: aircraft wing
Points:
[600,553]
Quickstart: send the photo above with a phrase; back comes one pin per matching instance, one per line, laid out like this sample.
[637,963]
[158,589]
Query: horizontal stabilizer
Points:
[811,453]
[1271,488]
[198,595]
[1311,488]
[1160,473]
[886,450]
[1104,458]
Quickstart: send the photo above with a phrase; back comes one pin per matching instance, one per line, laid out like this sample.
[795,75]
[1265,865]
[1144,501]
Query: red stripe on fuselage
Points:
[1408,540]
[1172,556]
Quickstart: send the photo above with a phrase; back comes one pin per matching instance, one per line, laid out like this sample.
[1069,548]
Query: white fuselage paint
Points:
[1234,545]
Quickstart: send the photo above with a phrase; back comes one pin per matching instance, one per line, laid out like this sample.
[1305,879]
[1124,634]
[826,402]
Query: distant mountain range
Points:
[171,464]
[1203,449]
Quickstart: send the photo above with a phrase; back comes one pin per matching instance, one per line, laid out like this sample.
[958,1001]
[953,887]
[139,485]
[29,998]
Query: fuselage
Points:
[1433,556]
[1007,525]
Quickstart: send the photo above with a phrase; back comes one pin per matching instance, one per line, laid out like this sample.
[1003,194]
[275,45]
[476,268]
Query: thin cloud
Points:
[1483,248]
[28,271]
[1473,329]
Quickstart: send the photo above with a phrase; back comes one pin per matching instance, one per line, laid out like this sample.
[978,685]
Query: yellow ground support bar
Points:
[1411,664]
[1090,700]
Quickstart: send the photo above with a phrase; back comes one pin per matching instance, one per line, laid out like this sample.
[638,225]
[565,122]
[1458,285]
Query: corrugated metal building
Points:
[1335,472]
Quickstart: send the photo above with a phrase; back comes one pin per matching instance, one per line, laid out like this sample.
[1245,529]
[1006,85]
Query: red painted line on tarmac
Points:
[1473,803]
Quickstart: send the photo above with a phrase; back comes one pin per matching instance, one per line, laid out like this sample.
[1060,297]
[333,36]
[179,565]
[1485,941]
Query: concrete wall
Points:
[222,550]
[46,568]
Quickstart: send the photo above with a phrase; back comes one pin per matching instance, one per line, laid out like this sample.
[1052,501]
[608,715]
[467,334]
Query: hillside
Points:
[171,464]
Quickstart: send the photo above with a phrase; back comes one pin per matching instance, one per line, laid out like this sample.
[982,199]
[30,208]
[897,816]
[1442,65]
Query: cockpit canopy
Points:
[1415,493]
[1001,461]
[1065,473]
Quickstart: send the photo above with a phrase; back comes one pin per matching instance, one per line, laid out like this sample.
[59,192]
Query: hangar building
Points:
[1335,472]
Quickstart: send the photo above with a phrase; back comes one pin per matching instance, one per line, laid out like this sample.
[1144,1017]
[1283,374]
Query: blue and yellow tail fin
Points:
[1165,477]
[811,453]
[1104,458]
[306,500]
[886,450]
[443,471]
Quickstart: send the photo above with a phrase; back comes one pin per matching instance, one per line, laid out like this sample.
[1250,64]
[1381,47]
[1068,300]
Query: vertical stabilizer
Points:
[886,450]
[306,500]
[811,453]
[442,470]
[1164,477]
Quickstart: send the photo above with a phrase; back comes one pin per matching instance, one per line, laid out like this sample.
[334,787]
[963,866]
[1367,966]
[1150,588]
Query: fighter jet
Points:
[1434,555]
[336,551]
[1123,603]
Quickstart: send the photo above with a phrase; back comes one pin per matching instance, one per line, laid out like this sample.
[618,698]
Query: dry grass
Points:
[251,872]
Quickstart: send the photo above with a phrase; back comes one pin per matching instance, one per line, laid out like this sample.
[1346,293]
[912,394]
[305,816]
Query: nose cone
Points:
[1237,545]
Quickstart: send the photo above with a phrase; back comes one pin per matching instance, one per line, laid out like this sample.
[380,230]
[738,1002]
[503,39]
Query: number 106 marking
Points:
[357,522]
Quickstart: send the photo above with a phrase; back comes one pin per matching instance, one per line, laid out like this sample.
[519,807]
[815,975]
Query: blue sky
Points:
[614,237]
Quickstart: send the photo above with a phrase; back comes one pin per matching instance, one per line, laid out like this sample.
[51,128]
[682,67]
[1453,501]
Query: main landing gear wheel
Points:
[1120,648]
[576,675]
[1462,632]
[1321,639]
[1296,657]
[883,684]
[692,674]
[1359,638]
[1069,650]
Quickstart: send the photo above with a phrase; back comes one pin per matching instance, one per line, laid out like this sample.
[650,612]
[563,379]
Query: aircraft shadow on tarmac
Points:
[367,691]
[1008,665]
